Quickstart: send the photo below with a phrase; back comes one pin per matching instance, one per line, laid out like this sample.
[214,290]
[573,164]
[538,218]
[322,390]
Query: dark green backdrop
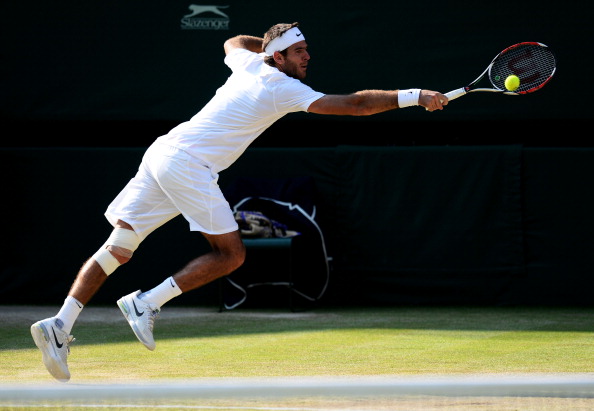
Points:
[404,225]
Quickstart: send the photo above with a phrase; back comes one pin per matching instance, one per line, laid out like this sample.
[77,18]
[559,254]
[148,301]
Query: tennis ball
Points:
[512,82]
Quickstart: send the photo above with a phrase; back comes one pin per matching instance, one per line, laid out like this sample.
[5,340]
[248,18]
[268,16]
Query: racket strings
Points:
[533,63]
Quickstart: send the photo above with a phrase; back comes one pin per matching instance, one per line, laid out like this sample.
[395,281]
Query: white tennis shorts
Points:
[170,182]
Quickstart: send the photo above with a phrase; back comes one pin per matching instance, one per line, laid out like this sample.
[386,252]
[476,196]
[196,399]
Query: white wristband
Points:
[410,97]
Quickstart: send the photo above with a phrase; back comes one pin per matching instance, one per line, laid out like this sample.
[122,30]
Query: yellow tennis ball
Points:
[512,82]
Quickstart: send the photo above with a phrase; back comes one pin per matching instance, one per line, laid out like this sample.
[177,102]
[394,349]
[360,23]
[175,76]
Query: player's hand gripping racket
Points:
[532,62]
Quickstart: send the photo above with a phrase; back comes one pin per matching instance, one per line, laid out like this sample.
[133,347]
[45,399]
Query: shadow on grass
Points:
[106,324]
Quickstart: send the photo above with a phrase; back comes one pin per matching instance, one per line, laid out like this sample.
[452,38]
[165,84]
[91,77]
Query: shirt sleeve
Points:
[292,95]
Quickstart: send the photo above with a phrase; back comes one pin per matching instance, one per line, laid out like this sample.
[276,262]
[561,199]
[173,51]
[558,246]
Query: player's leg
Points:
[227,255]
[52,335]
[141,309]
[117,250]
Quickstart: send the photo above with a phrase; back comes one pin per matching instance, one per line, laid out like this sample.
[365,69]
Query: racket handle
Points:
[454,94]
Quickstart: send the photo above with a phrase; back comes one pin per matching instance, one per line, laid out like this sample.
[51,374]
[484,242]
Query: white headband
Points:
[287,39]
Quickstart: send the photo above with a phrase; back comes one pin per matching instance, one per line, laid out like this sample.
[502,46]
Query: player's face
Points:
[295,64]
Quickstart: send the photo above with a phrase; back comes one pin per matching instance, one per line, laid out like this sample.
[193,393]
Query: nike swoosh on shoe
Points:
[138,313]
[58,344]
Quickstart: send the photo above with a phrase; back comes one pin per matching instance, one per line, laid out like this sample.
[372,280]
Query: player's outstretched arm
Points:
[368,102]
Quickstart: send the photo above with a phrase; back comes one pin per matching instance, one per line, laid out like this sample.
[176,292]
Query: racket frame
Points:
[454,94]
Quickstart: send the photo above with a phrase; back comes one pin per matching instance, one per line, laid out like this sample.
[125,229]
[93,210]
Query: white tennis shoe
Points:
[141,317]
[55,347]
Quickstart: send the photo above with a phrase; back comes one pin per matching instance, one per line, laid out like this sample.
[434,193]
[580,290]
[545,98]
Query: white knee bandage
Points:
[120,237]
[124,238]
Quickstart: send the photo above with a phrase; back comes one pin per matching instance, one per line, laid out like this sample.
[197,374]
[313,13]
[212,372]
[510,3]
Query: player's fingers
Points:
[437,102]
[433,105]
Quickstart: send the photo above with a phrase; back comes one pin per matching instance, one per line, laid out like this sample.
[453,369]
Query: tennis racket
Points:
[532,62]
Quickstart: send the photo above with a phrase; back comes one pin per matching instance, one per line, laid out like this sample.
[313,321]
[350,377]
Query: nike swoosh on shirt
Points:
[138,313]
[56,339]
[298,34]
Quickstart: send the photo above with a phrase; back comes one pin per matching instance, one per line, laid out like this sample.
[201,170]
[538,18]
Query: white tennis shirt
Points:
[251,100]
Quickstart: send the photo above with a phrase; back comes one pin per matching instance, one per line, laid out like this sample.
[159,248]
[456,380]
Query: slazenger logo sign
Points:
[205,18]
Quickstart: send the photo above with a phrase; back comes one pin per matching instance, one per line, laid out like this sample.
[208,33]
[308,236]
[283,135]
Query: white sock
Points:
[162,293]
[68,314]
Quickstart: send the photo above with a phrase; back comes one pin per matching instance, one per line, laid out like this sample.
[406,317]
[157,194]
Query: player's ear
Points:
[278,57]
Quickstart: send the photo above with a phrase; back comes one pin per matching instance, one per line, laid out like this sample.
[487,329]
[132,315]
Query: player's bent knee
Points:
[241,257]
[237,258]
[124,238]
[122,243]
[231,258]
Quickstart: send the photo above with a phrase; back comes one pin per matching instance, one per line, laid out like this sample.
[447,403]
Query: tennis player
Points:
[179,171]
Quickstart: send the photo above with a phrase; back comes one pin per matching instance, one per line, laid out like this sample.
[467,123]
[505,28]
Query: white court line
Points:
[557,385]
